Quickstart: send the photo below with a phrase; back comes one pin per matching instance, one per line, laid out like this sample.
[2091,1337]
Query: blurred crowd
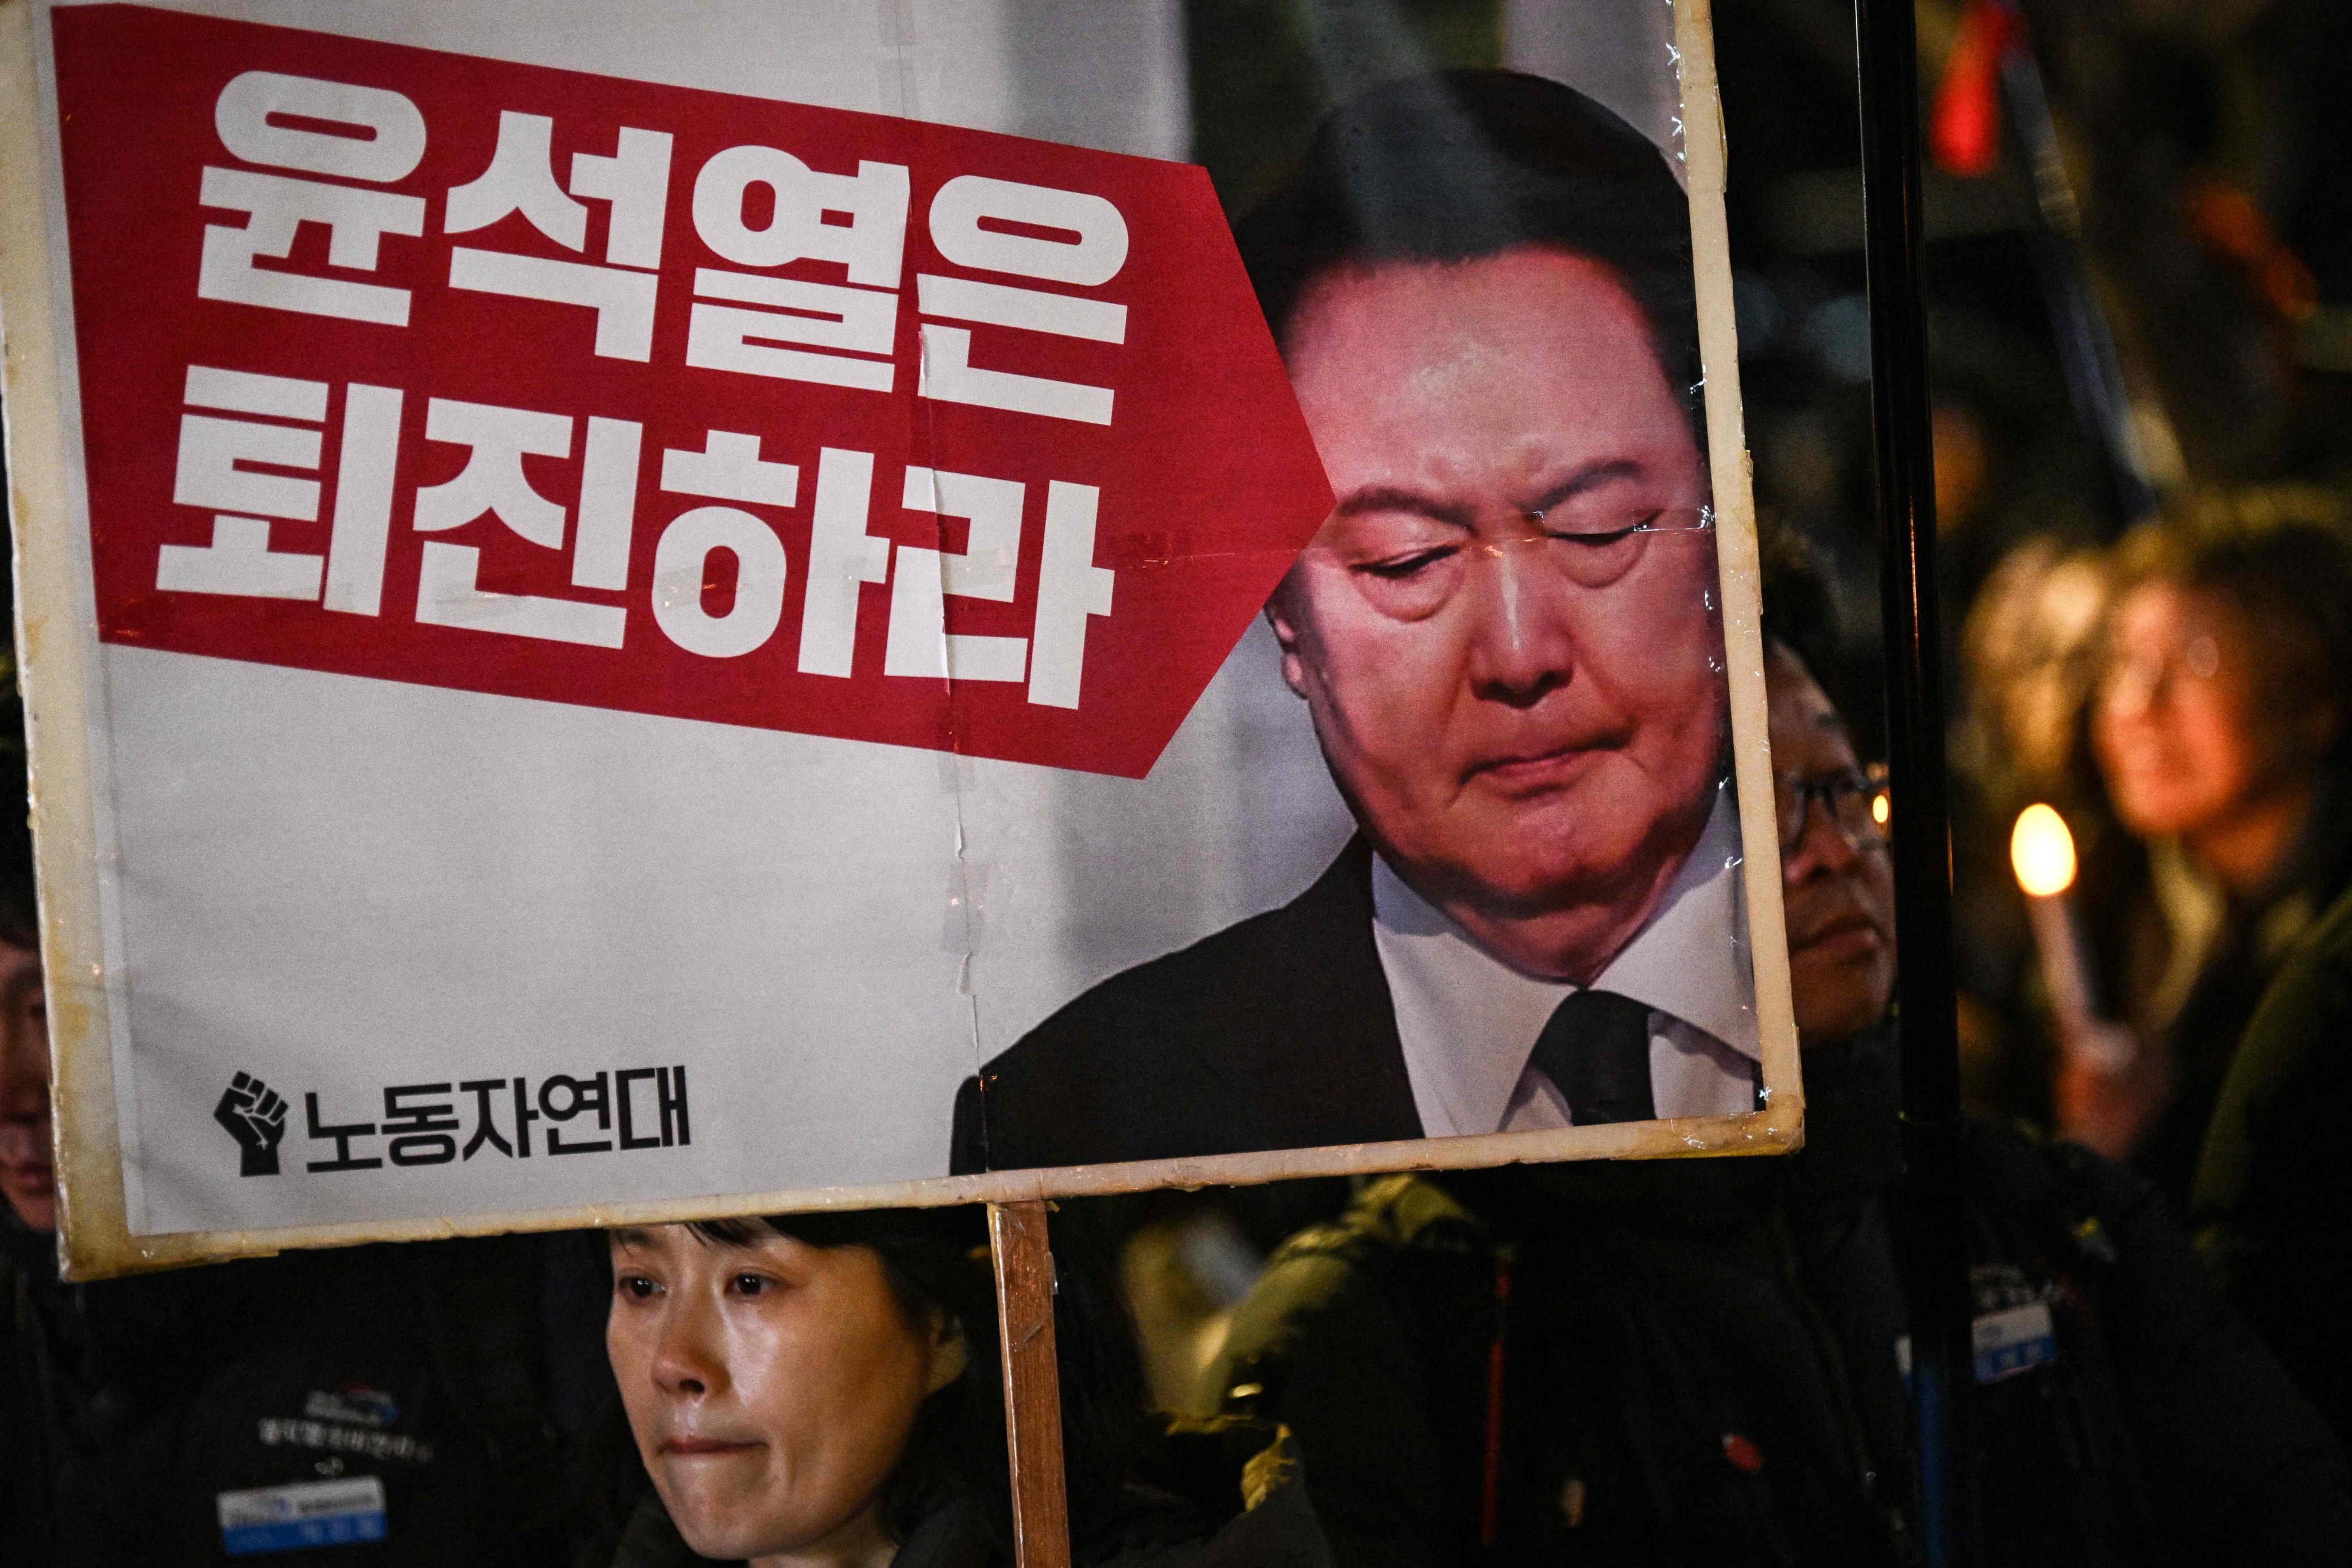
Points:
[2141,327]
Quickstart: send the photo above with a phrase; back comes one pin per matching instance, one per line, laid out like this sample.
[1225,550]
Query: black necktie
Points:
[1596,1051]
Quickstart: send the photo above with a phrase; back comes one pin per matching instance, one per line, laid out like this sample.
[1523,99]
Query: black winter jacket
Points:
[128,1406]
[1700,1362]
[2273,1204]
[1141,1527]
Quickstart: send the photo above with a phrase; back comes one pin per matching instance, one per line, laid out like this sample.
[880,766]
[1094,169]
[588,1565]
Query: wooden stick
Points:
[1033,1386]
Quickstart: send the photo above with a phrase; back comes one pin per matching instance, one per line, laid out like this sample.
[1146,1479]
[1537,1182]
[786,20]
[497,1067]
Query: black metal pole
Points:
[1934,1258]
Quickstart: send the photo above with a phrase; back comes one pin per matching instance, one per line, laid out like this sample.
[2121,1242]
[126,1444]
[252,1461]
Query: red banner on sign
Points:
[445,370]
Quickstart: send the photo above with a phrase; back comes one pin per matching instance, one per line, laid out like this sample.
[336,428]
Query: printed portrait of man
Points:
[1507,639]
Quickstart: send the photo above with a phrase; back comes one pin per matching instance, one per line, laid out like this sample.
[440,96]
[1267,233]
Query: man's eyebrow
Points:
[1590,478]
[1393,498]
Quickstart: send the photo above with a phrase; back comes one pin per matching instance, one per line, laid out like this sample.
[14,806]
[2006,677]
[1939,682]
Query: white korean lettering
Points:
[278,206]
[681,572]
[238,561]
[247,116]
[447,596]
[947,375]
[728,467]
[492,479]
[363,475]
[919,642]
[608,504]
[390,151]
[1031,310]
[1070,587]
[242,392]
[842,558]
[521,179]
[636,181]
[208,474]
[1092,257]
[828,315]
[622,301]
[869,245]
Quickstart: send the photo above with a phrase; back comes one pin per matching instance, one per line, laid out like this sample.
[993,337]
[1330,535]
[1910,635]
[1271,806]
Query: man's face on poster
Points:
[1506,631]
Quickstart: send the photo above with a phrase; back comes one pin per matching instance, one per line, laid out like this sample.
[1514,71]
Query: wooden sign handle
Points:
[1032,1385]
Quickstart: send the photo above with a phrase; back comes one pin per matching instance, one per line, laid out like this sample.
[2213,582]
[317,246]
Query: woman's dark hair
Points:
[2280,558]
[1460,165]
[937,1260]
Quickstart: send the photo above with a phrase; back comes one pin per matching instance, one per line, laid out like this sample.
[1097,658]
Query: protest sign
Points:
[625,615]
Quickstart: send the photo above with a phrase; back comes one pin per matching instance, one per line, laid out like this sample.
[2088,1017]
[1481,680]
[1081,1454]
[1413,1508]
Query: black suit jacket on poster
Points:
[1277,1033]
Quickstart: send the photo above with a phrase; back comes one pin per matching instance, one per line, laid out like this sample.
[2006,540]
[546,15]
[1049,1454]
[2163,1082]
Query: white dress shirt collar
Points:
[1469,1021]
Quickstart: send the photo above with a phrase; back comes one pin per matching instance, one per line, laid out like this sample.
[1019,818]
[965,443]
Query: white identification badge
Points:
[2014,1339]
[308,1513]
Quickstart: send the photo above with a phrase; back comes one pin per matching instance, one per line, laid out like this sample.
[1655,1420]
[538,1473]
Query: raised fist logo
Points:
[254,1115]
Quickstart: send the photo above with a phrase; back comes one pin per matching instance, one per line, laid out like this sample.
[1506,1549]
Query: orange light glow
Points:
[2042,852]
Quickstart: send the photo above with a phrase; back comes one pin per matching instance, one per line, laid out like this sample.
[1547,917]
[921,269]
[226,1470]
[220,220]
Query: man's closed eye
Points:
[1400,567]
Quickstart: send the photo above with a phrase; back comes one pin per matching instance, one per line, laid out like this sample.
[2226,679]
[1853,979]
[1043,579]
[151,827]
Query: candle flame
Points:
[2042,852]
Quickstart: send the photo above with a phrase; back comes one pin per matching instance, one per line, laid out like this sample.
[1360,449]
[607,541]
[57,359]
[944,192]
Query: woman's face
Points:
[2177,725]
[772,1387]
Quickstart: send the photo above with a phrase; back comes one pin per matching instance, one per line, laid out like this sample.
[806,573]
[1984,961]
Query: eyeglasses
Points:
[1857,800]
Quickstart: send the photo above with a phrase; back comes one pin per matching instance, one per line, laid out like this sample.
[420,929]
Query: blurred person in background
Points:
[2271,1197]
[1703,1361]
[2272,1202]
[2031,651]
[824,1389]
[2218,728]
[1181,1276]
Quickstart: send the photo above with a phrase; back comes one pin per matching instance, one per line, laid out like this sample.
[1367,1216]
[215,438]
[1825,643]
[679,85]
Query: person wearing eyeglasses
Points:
[2220,729]
[1838,892]
[1507,639]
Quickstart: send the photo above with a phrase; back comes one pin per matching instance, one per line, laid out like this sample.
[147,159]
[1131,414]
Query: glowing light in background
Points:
[2042,852]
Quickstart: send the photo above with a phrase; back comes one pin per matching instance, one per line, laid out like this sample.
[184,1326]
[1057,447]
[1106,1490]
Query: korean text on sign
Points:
[487,376]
